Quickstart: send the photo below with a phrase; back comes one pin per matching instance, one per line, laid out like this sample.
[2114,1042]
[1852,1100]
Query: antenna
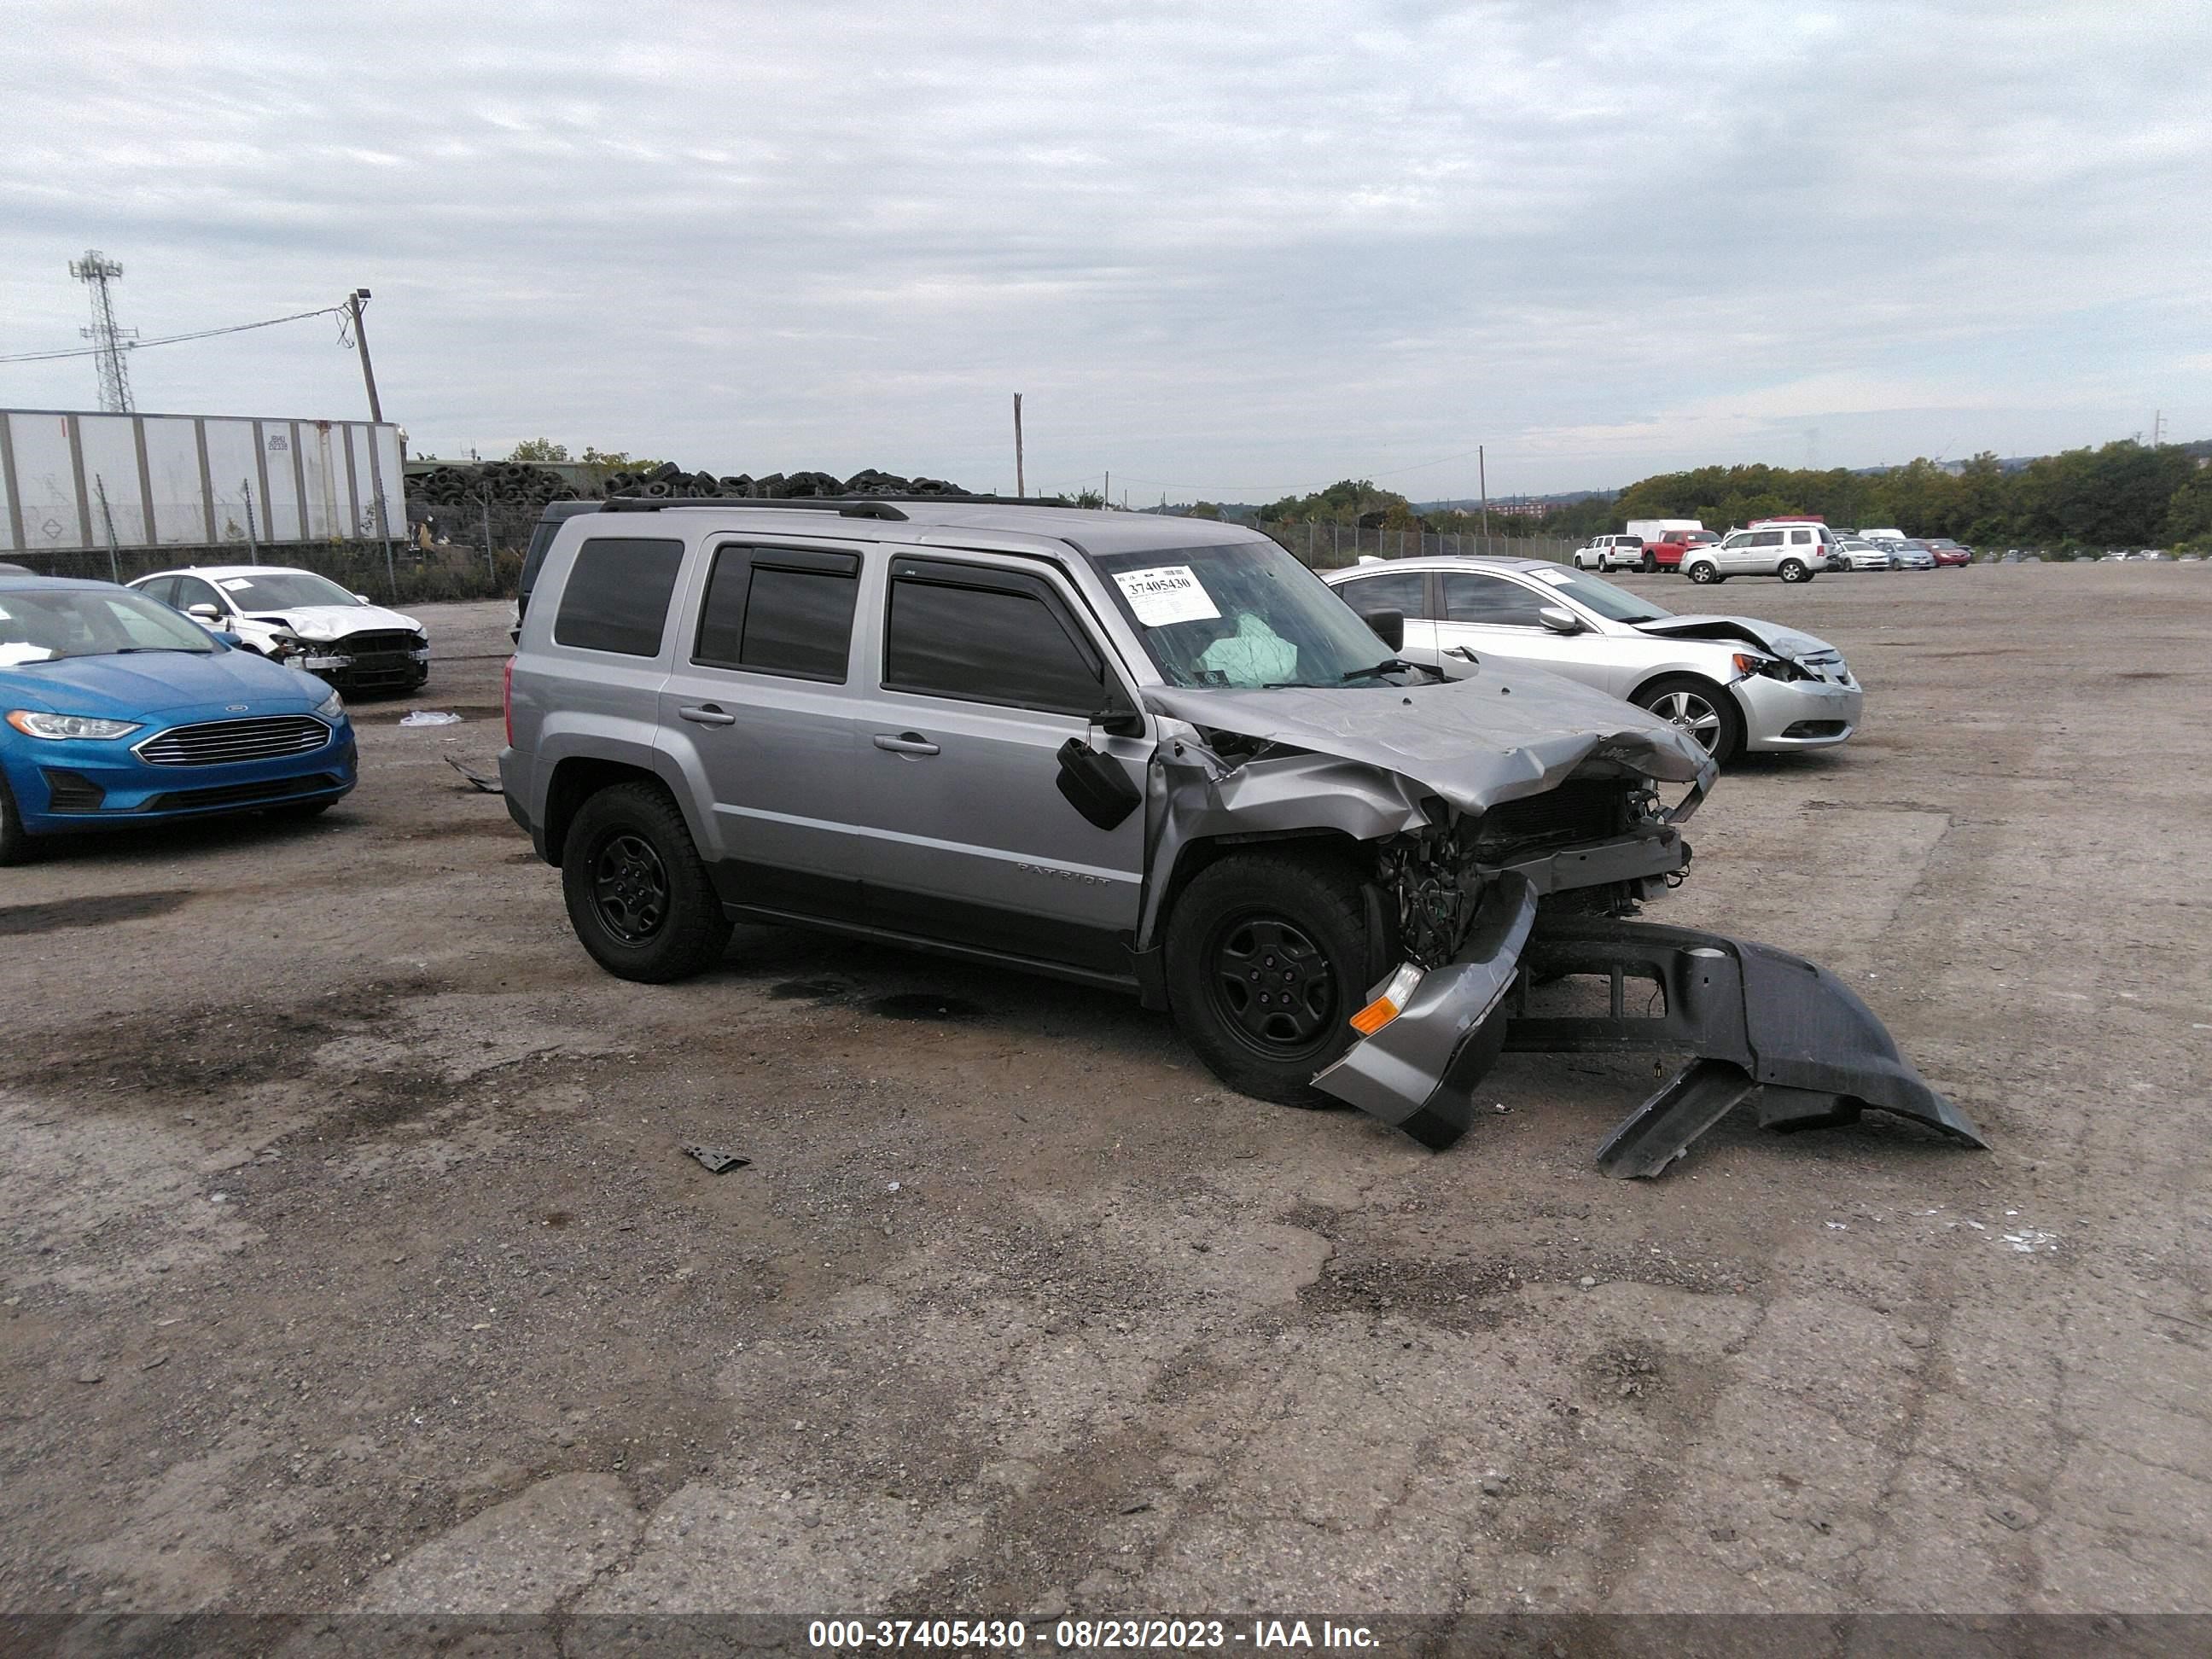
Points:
[109,343]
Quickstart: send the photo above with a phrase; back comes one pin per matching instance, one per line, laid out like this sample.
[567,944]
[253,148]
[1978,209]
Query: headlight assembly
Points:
[34,724]
[331,706]
[1772,668]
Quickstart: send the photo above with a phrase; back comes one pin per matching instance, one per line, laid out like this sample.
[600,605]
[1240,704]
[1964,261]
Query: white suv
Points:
[1611,553]
[1795,552]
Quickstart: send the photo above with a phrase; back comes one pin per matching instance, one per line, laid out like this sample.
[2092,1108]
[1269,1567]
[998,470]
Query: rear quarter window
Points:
[616,596]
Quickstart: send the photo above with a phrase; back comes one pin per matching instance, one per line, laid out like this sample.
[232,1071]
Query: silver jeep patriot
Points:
[1145,753]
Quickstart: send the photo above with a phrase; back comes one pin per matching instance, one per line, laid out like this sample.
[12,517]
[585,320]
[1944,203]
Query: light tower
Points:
[109,343]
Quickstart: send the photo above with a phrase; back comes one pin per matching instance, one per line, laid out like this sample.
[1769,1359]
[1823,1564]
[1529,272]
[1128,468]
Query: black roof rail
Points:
[850,507]
[853,508]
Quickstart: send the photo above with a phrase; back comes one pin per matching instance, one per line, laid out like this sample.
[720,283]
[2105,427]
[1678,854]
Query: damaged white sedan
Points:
[1148,756]
[1735,684]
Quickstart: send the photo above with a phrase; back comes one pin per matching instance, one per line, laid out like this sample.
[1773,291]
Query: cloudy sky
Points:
[1225,250]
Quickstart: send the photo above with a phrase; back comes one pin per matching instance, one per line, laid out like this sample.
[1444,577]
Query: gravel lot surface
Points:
[347,1259]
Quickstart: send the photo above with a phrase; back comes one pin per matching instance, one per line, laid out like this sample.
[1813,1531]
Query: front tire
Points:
[17,846]
[1704,575]
[638,893]
[1269,957]
[1698,707]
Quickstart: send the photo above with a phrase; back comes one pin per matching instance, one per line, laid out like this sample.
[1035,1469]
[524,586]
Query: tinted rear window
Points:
[778,611]
[616,596]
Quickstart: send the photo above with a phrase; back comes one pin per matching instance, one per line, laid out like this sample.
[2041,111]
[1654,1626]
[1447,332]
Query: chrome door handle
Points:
[705,714]
[907,742]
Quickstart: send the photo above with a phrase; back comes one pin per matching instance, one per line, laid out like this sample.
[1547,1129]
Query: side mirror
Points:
[1118,719]
[364,598]
[228,638]
[1559,619]
[206,613]
[1389,627]
[1095,785]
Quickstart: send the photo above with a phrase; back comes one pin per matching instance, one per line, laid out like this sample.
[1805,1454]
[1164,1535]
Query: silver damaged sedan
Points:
[1734,682]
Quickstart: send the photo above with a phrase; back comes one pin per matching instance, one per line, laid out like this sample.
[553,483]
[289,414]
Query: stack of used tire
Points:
[503,484]
[518,484]
[671,481]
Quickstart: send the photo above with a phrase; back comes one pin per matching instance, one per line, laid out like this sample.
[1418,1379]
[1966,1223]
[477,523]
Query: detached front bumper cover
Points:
[1753,1020]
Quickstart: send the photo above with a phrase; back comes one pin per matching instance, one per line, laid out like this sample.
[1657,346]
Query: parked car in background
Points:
[301,620]
[1913,554]
[1859,553]
[1668,553]
[115,710]
[1881,534]
[1610,553]
[1732,683]
[1950,553]
[1795,552]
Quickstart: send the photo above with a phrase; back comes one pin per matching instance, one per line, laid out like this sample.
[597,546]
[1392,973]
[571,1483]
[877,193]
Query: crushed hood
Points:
[335,621]
[1774,639]
[1508,732]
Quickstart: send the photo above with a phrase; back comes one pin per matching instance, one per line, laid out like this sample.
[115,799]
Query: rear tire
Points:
[638,893]
[1793,570]
[1650,566]
[1703,710]
[16,843]
[1269,957]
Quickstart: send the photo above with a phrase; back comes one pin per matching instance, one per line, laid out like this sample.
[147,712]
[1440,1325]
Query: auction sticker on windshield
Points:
[1556,578]
[1167,593]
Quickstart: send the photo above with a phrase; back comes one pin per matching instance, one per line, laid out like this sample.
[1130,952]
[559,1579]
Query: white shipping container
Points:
[193,480]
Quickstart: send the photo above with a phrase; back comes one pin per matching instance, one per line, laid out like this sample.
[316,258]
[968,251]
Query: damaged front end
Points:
[1503,868]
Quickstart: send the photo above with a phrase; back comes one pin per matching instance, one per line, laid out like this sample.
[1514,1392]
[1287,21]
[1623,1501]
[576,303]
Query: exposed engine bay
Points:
[1514,838]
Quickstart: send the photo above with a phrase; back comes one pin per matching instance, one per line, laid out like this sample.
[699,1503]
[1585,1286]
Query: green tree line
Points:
[2124,495]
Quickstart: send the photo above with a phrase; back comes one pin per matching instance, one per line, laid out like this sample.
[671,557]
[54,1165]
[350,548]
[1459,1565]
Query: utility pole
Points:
[96,271]
[2157,428]
[1482,474]
[355,301]
[1019,482]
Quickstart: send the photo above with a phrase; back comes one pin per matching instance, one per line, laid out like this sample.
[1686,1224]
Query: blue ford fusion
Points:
[117,710]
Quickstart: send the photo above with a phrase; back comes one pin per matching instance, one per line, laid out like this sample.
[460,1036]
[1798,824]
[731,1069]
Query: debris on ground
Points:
[487,782]
[428,717]
[715,1160]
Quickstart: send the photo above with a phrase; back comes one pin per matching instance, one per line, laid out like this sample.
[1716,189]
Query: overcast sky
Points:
[1226,251]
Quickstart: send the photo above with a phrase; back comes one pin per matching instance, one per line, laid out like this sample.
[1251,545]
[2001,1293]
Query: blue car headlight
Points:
[34,723]
[331,706]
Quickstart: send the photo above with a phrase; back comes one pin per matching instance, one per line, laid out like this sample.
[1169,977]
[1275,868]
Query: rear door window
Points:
[1493,600]
[616,596]
[979,634]
[780,611]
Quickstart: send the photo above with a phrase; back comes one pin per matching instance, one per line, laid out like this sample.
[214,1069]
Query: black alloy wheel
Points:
[1272,986]
[631,887]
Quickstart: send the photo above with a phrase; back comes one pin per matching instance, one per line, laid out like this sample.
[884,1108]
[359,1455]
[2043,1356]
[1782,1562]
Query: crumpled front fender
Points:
[1419,1071]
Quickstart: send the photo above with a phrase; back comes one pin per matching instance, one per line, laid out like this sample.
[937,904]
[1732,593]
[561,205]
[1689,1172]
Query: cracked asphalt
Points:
[348,1260]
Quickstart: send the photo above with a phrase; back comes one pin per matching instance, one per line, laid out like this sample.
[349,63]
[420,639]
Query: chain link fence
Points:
[469,551]
[1331,546]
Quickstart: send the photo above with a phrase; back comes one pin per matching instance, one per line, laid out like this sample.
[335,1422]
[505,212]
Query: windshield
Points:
[1592,594]
[45,626]
[277,590]
[1246,614]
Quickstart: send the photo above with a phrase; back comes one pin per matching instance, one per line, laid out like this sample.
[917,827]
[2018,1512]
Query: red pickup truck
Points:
[1666,551]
